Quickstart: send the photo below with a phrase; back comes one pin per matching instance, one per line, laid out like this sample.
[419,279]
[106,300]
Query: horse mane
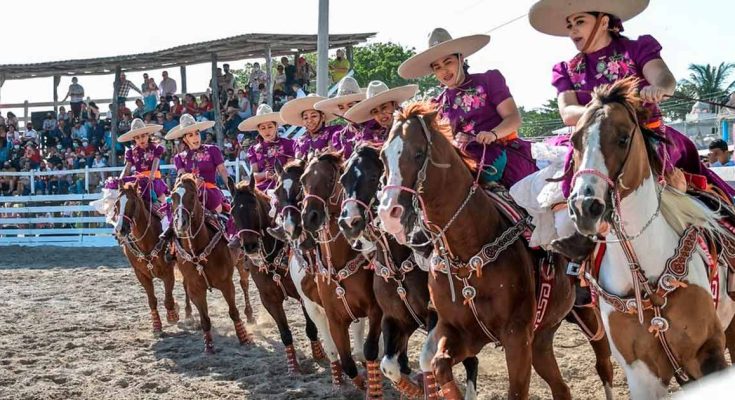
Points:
[334,157]
[244,187]
[367,151]
[439,125]
[295,164]
[187,178]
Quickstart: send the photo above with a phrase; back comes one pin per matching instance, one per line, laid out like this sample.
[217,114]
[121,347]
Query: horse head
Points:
[417,142]
[288,194]
[187,208]
[129,208]
[322,189]
[250,212]
[360,181]
[613,154]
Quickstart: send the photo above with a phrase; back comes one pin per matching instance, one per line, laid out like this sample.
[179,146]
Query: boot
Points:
[167,236]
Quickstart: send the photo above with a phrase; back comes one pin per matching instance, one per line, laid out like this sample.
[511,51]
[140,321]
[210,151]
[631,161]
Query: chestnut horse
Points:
[650,300]
[268,258]
[345,281]
[137,229]
[203,257]
[400,284]
[483,275]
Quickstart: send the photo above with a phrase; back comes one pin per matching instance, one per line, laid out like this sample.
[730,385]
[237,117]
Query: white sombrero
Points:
[377,94]
[550,16]
[264,114]
[138,127]
[292,110]
[348,91]
[441,45]
[187,124]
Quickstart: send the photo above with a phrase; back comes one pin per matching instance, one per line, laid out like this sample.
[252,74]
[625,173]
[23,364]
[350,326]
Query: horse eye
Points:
[419,155]
[624,140]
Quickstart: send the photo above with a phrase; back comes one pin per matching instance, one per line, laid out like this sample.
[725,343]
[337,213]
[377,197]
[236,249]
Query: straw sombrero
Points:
[291,111]
[550,16]
[187,124]
[441,45]
[264,114]
[138,127]
[348,91]
[377,94]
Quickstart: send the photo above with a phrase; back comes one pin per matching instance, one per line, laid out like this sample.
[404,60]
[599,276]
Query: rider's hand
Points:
[485,137]
[652,94]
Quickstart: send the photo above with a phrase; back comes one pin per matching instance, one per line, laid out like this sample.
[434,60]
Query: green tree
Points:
[705,82]
[540,121]
[380,61]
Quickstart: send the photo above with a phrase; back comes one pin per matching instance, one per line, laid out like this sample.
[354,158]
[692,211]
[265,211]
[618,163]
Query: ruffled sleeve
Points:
[560,78]
[645,49]
[253,156]
[179,162]
[216,154]
[288,147]
[129,156]
[158,151]
[498,90]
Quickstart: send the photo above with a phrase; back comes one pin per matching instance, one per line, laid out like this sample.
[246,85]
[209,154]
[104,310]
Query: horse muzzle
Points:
[351,222]
[586,213]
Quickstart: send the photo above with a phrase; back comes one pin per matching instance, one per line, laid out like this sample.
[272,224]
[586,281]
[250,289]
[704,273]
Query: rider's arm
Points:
[154,167]
[126,171]
[662,81]
[569,108]
[222,171]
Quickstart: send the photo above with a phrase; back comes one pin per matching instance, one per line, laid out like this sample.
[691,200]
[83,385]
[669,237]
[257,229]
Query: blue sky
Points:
[690,32]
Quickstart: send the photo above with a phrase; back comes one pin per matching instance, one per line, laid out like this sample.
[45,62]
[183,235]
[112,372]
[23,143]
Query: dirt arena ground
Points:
[74,325]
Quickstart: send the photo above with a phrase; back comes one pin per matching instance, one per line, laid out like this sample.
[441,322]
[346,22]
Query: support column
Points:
[25,114]
[215,103]
[183,82]
[269,71]
[2,82]
[322,46]
[114,122]
[57,80]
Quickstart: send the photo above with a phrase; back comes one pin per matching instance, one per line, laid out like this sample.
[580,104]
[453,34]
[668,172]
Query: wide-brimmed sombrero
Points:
[187,124]
[348,91]
[550,16]
[264,114]
[441,45]
[292,110]
[377,94]
[138,127]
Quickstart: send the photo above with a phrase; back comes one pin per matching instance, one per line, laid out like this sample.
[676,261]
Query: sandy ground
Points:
[84,333]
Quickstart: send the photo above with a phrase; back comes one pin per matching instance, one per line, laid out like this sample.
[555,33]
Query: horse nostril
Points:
[592,207]
[588,191]
[313,218]
[396,211]
[250,247]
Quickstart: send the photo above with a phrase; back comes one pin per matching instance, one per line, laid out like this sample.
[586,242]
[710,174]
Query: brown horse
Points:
[269,265]
[203,257]
[137,230]
[400,285]
[484,278]
[345,282]
[650,300]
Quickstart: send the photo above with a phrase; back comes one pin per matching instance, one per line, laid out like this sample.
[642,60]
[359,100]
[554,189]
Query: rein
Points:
[131,242]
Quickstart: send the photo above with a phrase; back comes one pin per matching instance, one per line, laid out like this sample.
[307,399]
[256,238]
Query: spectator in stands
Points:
[77,133]
[263,99]
[66,140]
[94,111]
[99,161]
[12,120]
[33,155]
[95,132]
[167,86]
[290,72]
[63,115]
[339,67]
[124,124]
[30,134]
[84,114]
[122,110]
[55,135]
[230,101]
[160,118]
[49,124]
[53,156]
[4,149]
[13,133]
[190,105]
[169,123]
[150,96]
[163,106]
[279,81]
[177,108]
[243,103]
[139,109]
[75,94]
[232,120]
[304,72]
[228,79]
[297,90]
[719,154]
[232,148]
[205,107]
[144,85]
[124,89]
[257,76]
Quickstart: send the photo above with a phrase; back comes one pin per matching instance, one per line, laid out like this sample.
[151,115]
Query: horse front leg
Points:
[244,273]
[172,313]
[545,363]
[317,351]
[339,331]
[152,302]
[272,299]
[450,350]
[228,292]
[518,358]
[198,295]
[395,360]
[371,350]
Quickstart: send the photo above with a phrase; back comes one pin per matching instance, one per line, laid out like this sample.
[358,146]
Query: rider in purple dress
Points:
[142,161]
[269,149]
[375,113]
[479,107]
[301,112]
[348,95]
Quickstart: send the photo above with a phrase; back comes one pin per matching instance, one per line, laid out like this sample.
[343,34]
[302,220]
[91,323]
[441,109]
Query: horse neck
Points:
[268,241]
[146,228]
[202,237]
[340,250]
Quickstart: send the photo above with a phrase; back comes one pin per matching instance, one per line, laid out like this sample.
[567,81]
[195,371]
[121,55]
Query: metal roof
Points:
[240,47]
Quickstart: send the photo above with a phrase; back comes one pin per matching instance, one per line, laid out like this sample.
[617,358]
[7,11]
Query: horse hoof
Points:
[172,317]
[359,382]
[209,350]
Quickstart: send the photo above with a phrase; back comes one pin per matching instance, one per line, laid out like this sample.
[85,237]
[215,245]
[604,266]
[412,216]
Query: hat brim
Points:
[251,124]
[550,16]
[361,111]
[179,131]
[420,65]
[146,130]
[291,111]
[332,105]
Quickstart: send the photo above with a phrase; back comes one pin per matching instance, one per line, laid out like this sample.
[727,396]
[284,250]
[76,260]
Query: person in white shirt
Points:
[298,91]
[76,97]
[167,86]
[30,133]
[229,79]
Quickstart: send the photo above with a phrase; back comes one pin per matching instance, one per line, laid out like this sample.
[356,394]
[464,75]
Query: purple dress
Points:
[471,108]
[312,142]
[352,135]
[142,160]
[622,58]
[203,162]
[264,155]
[372,132]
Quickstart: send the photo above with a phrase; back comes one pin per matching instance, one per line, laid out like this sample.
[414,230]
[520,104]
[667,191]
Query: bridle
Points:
[334,195]
[259,234]
[130,237]
[180,208]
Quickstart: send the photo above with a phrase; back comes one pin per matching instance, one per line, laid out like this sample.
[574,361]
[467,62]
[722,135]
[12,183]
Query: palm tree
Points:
[705,82]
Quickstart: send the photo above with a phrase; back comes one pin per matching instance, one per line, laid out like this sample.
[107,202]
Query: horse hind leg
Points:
[152,302]
[544,362]
[228,292]
[245,285]
[590,321]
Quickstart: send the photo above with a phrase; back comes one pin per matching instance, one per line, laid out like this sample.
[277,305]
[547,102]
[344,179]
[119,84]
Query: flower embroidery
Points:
[610,68]
[470,99]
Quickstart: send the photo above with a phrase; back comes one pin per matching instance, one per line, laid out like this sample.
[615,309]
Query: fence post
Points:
[86,179]
[237,169]
[33,181]
[25,112]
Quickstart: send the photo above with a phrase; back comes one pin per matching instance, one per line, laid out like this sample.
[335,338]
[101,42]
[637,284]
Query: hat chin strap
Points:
[459,78]
[593,36]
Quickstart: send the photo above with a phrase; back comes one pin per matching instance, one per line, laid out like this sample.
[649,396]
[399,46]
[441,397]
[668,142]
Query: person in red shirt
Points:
[177,108]
[190,105]
[33,155]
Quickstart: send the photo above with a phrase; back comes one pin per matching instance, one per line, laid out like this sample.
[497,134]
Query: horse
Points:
[302,260]
[486,284]
[345,280]
[203,257]
[400,284]
[137,230]
[620,198]
[269,265]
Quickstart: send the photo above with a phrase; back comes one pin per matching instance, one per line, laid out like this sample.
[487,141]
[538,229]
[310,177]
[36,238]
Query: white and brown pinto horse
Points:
[483,278]
[656,276]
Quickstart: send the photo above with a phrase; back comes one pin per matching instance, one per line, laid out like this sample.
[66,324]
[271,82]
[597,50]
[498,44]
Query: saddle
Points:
[508,207]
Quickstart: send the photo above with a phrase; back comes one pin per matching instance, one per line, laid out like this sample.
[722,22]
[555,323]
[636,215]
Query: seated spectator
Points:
[139,109]
[4,150]
[243,103]
[94,111]
[66,141]
[160,118]
[719,154]
[190,105]
[49,124]
[209,138]
[33,155]
[232,120]
[13,134]
[95,132]
[99,161]
[148,118]
[297,89]
[77,132]
[12,120]
[30,135]
[169,123]
[205,107]
[177,108]
[279,83]
[263,95]
[163,105]
[124,124]
[122,110]
[53,156]
[63,115]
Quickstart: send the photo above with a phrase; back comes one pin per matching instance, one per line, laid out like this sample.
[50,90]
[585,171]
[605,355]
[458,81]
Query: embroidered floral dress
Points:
[352,135]
[203,162]
[372,132]
[142,162]
[623,58]
[471,108]
[309,142]
[264,156]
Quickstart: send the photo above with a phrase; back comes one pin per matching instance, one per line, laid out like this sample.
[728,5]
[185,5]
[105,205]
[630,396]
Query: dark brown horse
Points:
[268,258]
[345,282]
[203,257]
[484,278]
[400,285]
[137,230]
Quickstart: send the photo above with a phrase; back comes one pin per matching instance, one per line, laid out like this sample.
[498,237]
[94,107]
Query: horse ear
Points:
[251,184]
[431,116]
[278,167]
[231,186]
